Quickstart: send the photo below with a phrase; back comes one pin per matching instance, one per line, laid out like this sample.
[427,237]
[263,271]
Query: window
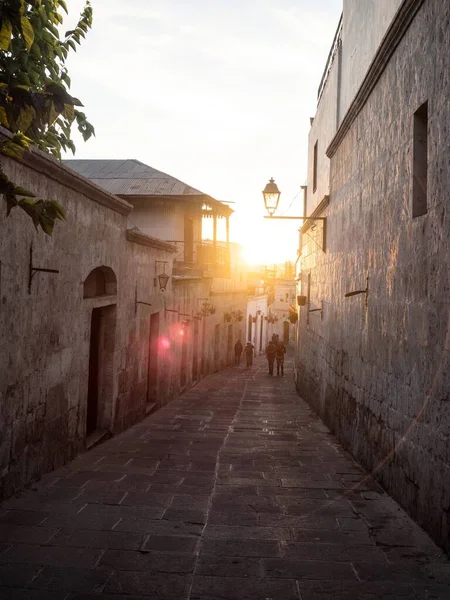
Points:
[315,168]
[420,161]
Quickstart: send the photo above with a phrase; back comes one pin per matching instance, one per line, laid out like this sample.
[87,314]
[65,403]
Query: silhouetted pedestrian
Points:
[249,349]
[270,354]
[238,348]
[280,351]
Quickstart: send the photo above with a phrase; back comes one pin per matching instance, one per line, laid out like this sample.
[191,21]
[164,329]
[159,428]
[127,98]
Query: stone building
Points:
[373,360]
[89,342]
[180,214]
[282,308]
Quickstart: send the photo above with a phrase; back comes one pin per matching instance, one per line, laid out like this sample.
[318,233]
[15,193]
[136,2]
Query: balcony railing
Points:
[203,255]
[337,41]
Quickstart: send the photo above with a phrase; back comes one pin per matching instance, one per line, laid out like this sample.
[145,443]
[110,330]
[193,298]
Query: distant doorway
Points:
[230,345]
[153,360]
[101,358]
[216,348]
[250,323]
[286,332]
[184,349]
[195,353]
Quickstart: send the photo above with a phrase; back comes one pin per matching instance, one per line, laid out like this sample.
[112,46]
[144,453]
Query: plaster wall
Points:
[323,129]
[165,220]
[364,24]
[259,337]
[284,297]
[379,374]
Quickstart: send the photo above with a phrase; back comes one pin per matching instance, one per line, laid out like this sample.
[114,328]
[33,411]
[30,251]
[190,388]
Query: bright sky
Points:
[217,93]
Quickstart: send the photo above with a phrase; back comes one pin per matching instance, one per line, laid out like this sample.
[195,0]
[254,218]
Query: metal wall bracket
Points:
[313,310]
[356,292]
[136,301]
[33,270]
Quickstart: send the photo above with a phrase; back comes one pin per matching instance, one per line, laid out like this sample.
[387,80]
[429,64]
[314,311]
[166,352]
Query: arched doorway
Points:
[100,282]
[286,327]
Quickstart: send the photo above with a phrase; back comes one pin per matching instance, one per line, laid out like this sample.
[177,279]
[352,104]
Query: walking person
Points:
[238,349]
[280,351]
[270,355]
[249,349]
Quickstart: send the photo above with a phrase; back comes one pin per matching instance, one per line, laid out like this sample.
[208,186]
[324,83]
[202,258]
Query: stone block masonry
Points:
[379,374]
[80,351]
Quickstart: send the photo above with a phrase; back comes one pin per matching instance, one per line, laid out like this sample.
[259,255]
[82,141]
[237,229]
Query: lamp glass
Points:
[163,280]
[271,195]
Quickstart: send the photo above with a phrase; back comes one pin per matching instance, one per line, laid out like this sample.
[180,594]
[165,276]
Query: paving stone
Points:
[307,569]
[171,543]
[159,527]
[17,574]
[186,516]
[98,511]
[82,521]
[15,594]
[124,560]
[169,586]
[228,566]
[23,517]
[70,579]
[102,496]
[147,499]
[98,539]
[233,588]
[4,547]
[345,590]
[332,552]
[257,548]
[26,535]
[51,555]
[246,533]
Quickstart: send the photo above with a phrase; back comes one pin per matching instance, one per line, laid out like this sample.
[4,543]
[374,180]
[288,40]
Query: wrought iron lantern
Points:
[163,278]
[271,195]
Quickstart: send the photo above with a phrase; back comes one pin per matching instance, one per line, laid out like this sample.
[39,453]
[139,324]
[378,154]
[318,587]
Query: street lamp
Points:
[163,278]
[271,195]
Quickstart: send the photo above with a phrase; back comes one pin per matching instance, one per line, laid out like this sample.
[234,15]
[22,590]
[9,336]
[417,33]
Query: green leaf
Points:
[59,210]
[63,5]
[69,112]
[27,32]
[26,117]
[5,35]
[3,117]
[13,150]
[11,202]
[20,191]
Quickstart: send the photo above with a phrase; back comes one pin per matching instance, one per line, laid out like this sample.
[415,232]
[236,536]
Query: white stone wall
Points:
[165,220]
[322,131]
[364,24]
[379,375]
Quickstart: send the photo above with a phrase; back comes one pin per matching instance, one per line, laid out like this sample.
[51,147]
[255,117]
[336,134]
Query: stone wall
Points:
[46,333]
[379,374]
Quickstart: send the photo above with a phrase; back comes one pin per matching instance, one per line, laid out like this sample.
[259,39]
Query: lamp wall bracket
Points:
[33,270]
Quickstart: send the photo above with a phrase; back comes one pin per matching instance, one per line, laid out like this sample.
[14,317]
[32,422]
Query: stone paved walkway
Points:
[234,491]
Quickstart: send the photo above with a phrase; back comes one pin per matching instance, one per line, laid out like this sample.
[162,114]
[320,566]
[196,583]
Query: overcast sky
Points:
[217,93]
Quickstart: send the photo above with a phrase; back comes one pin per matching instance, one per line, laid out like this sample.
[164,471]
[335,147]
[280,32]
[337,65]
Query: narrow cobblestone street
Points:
[233,491]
